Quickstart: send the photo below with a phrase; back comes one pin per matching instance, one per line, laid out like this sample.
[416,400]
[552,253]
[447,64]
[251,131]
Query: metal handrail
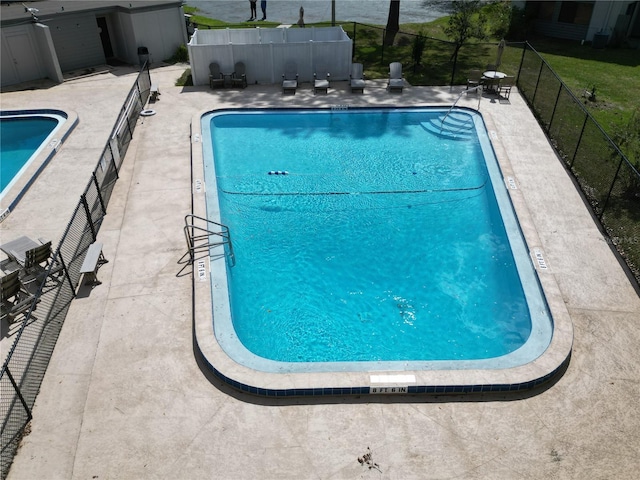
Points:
[199,238]
[456,101]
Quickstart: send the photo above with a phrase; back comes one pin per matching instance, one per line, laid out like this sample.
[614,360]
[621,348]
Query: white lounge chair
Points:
[356,79]
[290,78]
[321,79]
[396,81]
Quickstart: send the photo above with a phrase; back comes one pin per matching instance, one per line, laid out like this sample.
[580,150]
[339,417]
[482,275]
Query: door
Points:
[23,56]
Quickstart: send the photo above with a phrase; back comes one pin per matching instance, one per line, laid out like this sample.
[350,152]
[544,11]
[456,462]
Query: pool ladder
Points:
[202,235]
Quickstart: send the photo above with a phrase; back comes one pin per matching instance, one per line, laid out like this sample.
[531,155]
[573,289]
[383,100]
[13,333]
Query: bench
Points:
[92,262]
[154,92]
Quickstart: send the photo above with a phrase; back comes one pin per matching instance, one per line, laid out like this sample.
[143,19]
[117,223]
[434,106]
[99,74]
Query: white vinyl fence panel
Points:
[264,51]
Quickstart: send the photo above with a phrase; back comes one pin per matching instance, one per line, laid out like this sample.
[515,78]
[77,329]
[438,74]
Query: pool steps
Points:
[455,126]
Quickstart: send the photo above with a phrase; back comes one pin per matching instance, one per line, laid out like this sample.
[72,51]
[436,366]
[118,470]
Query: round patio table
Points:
[494,77]
[494,74]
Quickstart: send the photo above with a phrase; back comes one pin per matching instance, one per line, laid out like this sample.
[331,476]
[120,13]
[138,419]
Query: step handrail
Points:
[454,103]
[199,238]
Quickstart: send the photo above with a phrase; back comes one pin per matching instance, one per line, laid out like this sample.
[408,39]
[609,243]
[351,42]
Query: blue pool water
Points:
[370,236]
[21,137]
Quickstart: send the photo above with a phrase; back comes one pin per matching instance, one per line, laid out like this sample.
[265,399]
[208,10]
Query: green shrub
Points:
[181,55]
[185,79]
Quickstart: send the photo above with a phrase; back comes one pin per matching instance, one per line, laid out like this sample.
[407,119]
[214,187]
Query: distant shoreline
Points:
[373,12]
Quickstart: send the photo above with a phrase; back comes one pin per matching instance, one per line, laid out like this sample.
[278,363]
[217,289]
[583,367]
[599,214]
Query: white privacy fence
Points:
[264,51]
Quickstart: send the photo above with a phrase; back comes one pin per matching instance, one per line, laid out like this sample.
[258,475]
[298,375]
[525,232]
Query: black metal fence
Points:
[28,358]
[438,59]
[609,181]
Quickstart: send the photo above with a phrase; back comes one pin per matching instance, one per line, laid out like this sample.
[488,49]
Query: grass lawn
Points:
[614,72]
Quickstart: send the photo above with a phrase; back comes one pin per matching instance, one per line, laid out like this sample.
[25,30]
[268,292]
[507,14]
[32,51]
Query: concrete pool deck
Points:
[124,395]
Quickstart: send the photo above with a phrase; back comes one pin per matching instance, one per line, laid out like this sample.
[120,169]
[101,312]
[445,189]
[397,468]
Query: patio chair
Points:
[216,79]
[36,256]
[356,79]
[504,88]
[239,76]
[490,67]
[474,79]
[34,270]
[15,300]
[396,81]
[9,265]
[290,78]
[321,78]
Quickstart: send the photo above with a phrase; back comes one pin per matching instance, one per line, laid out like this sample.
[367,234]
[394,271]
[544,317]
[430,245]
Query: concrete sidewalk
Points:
[124,396]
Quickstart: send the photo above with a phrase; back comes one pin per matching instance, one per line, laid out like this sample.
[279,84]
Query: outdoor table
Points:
[17,249]
[493,75]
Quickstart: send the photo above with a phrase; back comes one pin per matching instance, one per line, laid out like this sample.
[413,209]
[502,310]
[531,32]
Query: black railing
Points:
[608,180]
[28,358]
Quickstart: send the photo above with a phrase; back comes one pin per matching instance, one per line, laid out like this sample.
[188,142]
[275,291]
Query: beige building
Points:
[46,39]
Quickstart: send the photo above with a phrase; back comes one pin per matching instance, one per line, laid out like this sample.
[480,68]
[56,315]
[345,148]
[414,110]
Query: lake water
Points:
[373,12]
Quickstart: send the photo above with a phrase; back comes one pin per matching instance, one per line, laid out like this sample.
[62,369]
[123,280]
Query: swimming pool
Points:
[29,139]
[414,298]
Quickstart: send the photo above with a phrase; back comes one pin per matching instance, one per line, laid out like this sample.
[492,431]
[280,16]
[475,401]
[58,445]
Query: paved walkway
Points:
[124,397]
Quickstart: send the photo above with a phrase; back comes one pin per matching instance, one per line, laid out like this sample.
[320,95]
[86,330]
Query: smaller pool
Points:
[28,140]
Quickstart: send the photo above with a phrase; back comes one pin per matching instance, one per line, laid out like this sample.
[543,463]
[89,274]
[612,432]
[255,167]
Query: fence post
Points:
[17,389]
[555,105]
[113,161]
[613,182]
[524,52]
[139,92]
[453,71]
[95,180]
[66,271]
[535,90]
[129,128]
[575,153]
[83,199]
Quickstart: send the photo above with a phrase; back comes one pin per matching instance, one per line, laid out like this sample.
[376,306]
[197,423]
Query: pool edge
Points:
[29,176]
[517,379]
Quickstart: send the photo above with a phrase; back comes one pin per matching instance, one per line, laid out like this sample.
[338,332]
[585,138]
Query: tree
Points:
[466,22]
[419,43]
[393,22]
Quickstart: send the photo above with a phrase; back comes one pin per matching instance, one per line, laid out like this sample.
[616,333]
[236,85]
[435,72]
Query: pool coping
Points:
[20,185]
[451,381]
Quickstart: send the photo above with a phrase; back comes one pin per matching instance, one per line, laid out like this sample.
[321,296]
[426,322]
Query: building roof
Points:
[15,12]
